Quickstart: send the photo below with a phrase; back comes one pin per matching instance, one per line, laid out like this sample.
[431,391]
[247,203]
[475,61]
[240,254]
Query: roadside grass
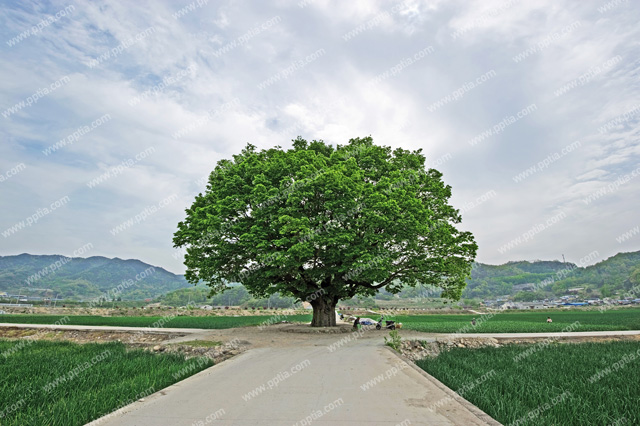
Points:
[524,322]
[168,321]
[551,386]
[63,383]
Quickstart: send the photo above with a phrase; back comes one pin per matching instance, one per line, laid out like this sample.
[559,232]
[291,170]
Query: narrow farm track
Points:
[359,383]
[105,328]
[420,335]
[251,331]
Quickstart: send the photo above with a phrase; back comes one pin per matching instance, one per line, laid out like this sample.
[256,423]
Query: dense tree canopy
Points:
[324,223]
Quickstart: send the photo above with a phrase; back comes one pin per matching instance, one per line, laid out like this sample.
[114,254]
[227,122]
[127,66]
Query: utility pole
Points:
[563,261]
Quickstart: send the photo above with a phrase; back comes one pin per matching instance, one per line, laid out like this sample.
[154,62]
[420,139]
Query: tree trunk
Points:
[324,312]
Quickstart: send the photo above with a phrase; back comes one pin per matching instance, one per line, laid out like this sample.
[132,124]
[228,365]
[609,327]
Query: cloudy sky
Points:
[114,112]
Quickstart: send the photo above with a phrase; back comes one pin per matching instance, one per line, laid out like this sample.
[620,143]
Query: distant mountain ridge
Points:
[86,278]
[92,277]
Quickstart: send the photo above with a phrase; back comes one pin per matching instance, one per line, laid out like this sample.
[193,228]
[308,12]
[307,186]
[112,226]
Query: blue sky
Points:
[113,112]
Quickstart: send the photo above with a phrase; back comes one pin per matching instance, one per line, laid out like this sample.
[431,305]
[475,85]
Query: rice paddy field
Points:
[525,321]
[63,383]
[212,322]
[557,384]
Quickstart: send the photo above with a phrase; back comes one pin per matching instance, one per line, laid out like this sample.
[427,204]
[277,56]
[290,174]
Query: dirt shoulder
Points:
[416,347]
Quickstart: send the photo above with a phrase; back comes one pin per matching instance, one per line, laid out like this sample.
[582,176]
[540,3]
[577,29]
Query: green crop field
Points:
[168,321]
[62,383]
[525,322]
[557,384]
[501,322]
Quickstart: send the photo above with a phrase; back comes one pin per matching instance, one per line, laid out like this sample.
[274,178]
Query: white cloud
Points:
[330,98]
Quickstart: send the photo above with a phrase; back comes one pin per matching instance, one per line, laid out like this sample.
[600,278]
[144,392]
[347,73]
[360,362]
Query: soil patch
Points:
[151,341]
[415,349]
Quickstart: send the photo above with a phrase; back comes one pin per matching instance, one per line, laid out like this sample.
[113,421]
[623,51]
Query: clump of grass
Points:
[394,340]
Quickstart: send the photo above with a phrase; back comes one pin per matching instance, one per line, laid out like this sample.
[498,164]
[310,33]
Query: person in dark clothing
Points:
[356,323]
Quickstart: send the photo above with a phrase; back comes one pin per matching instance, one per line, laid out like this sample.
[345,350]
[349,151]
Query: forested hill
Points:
[619,272]
[496,280]
[85,278]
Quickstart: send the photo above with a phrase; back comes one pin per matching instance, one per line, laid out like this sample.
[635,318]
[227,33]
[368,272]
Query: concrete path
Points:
[411,333]
[359,383]
[213,334]
[106,328]
[553,334]
[404,333]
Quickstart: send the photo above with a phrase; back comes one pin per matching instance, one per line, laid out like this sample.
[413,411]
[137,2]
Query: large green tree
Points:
[324,223]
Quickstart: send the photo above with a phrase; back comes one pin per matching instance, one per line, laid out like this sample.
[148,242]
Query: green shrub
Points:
[394,340]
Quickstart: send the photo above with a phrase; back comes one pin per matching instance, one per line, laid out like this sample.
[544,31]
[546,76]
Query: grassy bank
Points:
[62,383]
[556,384]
